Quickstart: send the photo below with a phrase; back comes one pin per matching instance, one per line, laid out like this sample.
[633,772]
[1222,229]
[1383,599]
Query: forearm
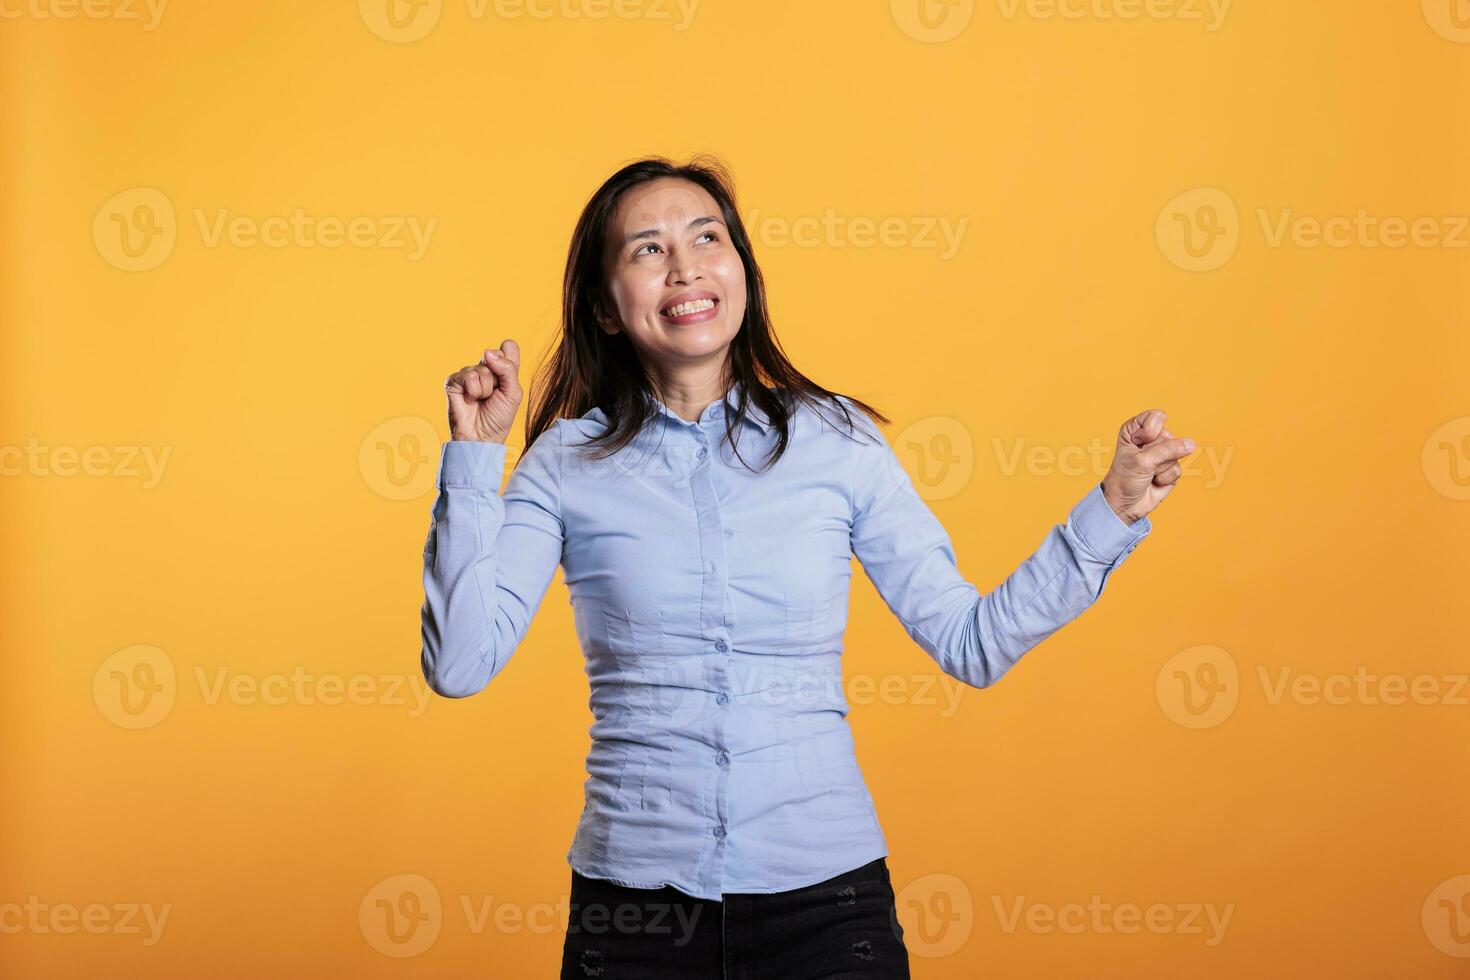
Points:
[1054,586]
[459,574]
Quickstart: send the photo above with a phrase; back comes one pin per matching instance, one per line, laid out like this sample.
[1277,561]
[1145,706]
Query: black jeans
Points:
[843,927]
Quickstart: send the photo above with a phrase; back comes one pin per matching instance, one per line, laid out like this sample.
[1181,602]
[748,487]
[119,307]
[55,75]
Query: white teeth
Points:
[694,307]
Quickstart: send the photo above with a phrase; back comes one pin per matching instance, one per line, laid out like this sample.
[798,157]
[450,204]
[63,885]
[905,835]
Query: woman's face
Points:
[674,278]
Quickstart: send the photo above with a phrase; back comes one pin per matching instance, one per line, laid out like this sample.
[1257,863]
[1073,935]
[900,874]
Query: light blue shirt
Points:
[710,604]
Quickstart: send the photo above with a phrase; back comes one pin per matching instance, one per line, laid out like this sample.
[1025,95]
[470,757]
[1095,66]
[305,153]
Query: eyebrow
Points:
[653,232]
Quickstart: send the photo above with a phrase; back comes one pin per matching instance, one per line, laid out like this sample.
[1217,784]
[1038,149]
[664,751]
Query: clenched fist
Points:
[1145,465]
[483,398]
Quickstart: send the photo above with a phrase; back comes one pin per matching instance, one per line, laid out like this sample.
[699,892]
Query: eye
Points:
[639,250]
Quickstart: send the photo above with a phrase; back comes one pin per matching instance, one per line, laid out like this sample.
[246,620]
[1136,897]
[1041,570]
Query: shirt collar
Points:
[753,413]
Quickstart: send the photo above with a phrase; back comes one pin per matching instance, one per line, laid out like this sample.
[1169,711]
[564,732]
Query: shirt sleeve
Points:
[975,638]
[489,558]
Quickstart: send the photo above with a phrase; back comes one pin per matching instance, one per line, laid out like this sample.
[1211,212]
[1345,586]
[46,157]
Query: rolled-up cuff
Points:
[469,463]
[1102,531]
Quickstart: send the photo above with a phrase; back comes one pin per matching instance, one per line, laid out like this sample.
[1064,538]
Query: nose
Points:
[683,266]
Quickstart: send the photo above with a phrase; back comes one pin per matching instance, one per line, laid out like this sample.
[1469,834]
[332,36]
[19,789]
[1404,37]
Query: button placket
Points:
[713,627]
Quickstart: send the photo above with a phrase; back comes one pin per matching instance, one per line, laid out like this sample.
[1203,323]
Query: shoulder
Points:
[571,431]
[849,422]
[544,454]
[837,436]
[549,442]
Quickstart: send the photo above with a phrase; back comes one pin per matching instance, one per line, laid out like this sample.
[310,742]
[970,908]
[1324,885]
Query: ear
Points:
[605,321]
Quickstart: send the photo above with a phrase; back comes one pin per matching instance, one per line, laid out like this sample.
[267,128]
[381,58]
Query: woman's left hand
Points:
[1145,465]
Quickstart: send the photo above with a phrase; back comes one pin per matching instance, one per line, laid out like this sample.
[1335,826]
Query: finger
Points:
[456,381]
[1143,428]
[464,383]
[1163,438]
[1127,430]
[1164,451]
[1153,424]
[508,350]
[486,378]
[504,368]
[470,383]
[1168,475]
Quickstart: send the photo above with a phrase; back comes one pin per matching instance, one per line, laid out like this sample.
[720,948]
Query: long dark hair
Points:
[590,368]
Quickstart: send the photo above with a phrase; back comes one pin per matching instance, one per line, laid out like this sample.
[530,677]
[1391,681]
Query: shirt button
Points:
[722,759]
[701,454]
[720,831]
[721,646]
[723,698]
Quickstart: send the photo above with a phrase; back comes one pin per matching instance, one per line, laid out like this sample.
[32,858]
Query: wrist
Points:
[1119,508]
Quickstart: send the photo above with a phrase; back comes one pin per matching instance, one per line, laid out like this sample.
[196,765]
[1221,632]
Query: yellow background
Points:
[1334,542]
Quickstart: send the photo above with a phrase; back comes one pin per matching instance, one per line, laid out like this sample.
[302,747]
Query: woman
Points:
[705,499]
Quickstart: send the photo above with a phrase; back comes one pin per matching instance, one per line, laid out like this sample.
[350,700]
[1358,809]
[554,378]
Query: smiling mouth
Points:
[689,309]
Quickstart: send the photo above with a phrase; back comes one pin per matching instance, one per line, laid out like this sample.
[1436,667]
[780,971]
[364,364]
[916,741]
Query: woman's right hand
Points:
[483,398]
